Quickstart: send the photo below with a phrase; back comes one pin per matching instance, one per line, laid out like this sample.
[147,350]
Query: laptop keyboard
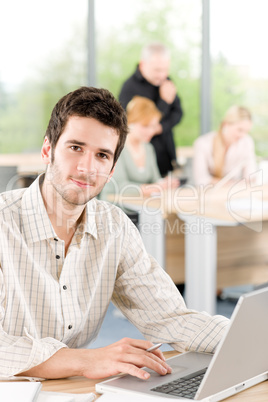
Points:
[185,387]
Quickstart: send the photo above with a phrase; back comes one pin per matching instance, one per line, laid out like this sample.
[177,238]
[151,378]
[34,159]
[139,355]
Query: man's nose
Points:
[87,164]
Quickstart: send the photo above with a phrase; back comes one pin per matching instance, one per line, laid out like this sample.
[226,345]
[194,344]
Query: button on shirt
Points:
[47,303]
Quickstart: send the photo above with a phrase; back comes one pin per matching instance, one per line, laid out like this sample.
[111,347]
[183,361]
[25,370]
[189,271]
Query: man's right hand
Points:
[125,356]
[167,91]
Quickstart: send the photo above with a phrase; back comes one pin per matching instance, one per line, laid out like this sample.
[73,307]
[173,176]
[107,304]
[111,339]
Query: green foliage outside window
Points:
[25,111]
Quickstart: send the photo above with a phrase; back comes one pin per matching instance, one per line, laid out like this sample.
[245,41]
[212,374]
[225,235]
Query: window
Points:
[43,50]
[126,26]
[240,66]
[43,56]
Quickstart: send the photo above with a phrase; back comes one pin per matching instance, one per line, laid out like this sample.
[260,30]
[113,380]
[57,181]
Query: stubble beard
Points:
[71,194]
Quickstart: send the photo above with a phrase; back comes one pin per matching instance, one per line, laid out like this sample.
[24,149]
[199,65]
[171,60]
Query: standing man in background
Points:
[151,80]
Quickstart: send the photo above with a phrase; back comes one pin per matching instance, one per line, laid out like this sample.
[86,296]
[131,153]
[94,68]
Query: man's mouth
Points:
[82,184]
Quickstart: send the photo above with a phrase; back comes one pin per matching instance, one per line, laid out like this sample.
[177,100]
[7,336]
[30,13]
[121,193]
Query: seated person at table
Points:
[64,255]
[136,171]
[227,153]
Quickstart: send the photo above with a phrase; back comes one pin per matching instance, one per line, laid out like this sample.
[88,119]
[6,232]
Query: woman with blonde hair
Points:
[227,153]
[136,171]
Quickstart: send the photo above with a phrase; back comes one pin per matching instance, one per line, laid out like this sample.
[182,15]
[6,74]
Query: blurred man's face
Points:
[155,69]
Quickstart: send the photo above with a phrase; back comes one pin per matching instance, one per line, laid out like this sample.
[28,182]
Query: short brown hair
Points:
[96,103]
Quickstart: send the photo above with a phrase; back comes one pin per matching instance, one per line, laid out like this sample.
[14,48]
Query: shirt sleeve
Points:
[149,299]
[20,353]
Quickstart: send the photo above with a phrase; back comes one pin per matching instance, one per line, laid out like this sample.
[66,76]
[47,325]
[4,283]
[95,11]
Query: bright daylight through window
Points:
[44,55]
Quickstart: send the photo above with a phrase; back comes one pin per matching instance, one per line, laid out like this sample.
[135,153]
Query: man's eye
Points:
[102,155]
[75,148]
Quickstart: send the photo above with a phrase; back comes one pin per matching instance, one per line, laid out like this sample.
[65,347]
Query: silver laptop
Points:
[240,361]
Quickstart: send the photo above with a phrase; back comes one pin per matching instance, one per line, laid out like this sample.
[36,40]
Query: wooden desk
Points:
[215,203]
[204,210]
[25,163]
[81,385]
[229,207]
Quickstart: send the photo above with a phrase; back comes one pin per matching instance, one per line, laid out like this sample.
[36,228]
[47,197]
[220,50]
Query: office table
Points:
[227,207]
[80,385]
[19,170]
[25,162]
[203,210]
[201,261]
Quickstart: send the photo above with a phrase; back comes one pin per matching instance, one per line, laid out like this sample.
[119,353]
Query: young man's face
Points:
[83,159]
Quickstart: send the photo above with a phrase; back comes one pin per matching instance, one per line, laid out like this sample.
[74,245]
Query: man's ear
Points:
[46,151]
[111,174]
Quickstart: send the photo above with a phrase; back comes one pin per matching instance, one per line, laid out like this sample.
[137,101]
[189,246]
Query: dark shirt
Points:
[172,113]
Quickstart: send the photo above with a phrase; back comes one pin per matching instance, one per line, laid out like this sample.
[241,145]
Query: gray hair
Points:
[154,48]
